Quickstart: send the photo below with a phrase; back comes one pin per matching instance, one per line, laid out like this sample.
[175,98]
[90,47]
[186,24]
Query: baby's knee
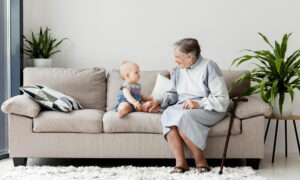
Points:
[125,107]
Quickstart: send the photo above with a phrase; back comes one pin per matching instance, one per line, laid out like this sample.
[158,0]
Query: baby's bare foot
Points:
[157,109]
[121,113]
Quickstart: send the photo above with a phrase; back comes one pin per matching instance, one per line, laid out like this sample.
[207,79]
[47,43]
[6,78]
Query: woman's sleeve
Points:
[170,97]
[218,98]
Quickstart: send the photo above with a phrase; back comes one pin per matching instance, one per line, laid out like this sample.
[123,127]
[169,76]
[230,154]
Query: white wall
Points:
[104,33]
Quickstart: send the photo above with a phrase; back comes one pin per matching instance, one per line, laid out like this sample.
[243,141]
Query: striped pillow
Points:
[51,99]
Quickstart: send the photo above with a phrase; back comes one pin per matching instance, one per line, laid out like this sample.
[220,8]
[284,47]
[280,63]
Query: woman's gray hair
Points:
[188,46]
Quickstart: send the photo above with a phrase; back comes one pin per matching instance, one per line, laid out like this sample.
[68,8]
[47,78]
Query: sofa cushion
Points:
[83,121]
[253,107]
[230,77]
[21,105]
[140,122]
[114,80]
[221,128]
[132,123]
[87,85]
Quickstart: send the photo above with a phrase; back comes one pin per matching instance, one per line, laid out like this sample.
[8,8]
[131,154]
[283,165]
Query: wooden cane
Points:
[235,102]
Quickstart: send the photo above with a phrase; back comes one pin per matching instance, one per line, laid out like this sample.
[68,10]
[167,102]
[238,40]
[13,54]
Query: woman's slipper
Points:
[202,170]
[177,170]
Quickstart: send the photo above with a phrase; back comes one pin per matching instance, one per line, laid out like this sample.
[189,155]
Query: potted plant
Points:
[274,76]
[41,48]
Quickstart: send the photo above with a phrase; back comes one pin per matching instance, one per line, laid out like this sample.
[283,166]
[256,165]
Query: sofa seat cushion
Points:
[132,123]
[81,121]
[140,122]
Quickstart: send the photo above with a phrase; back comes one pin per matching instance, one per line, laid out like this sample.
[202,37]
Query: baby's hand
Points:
[138,106]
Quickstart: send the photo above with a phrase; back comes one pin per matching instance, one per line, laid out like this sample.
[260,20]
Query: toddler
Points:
[130,96]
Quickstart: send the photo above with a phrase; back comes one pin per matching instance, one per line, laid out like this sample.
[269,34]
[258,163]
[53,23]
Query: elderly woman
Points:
[197,100]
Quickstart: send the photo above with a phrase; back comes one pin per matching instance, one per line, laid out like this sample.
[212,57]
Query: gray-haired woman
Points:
[197,100]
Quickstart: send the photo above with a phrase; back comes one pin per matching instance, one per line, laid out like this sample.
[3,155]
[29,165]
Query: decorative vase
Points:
[287,106]
[41,62]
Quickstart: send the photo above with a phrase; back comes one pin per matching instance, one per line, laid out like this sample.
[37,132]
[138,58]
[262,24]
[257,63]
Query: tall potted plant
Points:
[274,76]
[41,48]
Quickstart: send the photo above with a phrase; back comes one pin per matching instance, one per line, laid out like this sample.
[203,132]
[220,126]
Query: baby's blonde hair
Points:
[125,68]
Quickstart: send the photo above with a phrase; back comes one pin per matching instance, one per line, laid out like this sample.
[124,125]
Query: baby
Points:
[130,96]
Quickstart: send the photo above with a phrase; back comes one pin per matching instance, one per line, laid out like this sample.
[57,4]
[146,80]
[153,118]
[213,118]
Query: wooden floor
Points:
[283,168]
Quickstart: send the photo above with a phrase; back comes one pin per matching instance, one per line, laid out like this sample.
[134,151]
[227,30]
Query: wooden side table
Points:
[293,117]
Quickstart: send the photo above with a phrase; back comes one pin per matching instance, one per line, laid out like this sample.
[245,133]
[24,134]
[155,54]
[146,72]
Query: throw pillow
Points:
[162,85]
[51,98]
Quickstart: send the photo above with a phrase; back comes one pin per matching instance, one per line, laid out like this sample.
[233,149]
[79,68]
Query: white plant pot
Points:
[41,62]
[287,106]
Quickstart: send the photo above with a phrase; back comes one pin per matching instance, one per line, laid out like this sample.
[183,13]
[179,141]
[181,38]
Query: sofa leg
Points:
[254,163]
[20,161]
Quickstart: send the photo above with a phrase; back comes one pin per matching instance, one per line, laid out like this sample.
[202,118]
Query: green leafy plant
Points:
[274,75]
[42,46]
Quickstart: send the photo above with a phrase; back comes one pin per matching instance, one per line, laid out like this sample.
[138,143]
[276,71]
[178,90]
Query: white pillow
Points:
[162,85]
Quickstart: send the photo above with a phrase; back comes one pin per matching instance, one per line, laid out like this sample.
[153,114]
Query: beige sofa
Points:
[97,132]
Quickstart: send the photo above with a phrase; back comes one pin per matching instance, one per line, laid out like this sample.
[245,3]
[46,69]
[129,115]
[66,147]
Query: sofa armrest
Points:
[253,107]
[21,105]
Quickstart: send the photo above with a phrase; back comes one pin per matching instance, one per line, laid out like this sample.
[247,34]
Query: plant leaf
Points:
[278,65]
[251,90]
[281,100]
[290,90]
[266,39]
[273,92]
[277,50]
[262,89]
[284,44]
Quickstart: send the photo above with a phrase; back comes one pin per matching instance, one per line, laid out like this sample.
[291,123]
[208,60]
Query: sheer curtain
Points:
[3,76]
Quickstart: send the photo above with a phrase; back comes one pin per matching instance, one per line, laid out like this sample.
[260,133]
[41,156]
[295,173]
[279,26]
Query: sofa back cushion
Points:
[230,77]
[87,85]
[114,80]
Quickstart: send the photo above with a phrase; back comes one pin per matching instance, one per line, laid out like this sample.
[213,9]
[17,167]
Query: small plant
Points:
[42,46]
[274,75]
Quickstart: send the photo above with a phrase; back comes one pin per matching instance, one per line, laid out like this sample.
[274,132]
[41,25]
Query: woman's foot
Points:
[180,168]
[177,170]
[202,170]
[183,165]
[202,166]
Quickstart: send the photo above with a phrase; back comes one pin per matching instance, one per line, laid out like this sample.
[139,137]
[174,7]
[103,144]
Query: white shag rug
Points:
[124,173]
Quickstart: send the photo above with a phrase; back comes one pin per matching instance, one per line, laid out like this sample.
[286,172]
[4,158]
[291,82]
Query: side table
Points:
[293,117]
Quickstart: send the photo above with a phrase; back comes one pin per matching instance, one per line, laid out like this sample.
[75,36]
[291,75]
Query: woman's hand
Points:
[137,106]
[150,106]
[189,104]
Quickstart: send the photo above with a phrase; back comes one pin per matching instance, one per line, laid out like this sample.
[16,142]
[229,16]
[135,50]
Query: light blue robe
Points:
[202,82]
